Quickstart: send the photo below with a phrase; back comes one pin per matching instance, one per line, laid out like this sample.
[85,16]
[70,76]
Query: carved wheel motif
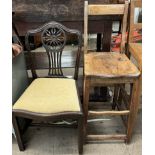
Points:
[54,38]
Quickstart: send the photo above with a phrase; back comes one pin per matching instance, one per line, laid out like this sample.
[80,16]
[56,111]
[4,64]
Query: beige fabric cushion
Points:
[49,95]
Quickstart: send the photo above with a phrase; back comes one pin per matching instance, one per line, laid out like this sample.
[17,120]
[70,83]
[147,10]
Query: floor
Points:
[56,140]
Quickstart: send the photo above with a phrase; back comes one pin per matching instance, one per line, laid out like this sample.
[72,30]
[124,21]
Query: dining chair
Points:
[109,69]
[54,97]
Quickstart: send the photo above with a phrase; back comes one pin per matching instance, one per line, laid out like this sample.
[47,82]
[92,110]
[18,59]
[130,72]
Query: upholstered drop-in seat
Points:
[49,95]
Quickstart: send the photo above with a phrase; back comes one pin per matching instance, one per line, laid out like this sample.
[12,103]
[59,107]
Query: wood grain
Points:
[106,9]
[108,113]
[124,27]
[136,51]
[105,137]
[109,64]
[134,105]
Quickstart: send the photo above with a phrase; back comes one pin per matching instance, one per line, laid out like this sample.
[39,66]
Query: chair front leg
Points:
[86,87]
[133,110]
[17,133]
[80,135]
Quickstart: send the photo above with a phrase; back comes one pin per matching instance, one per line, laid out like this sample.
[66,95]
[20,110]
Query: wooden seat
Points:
[109,65]
[110,69]
[54,97]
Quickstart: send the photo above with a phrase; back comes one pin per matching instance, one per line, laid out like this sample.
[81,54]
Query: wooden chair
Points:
[134,48]
[106,69]
[54,97]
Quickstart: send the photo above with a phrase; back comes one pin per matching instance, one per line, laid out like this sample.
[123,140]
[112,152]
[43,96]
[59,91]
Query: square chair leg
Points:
[80,135]
[18,133]
[134,105]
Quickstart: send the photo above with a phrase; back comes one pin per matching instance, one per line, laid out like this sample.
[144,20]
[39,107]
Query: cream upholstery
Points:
[49,95]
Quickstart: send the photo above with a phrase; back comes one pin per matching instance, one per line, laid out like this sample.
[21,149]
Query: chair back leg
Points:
[80,135]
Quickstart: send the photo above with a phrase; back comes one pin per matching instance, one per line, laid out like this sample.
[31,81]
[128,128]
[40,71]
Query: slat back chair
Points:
[109,69]
[53,98]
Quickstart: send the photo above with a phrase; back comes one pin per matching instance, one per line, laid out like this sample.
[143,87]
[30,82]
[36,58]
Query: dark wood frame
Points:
[64,29]
[53,116]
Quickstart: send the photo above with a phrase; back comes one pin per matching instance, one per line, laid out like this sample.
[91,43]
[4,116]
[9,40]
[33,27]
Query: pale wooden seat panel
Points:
[109,64]
[49,95]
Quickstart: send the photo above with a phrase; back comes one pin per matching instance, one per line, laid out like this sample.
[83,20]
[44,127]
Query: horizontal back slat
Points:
[106,9]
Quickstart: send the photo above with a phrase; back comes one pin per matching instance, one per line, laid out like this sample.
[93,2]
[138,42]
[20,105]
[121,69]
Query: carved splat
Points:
[53,37]
[54,40]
